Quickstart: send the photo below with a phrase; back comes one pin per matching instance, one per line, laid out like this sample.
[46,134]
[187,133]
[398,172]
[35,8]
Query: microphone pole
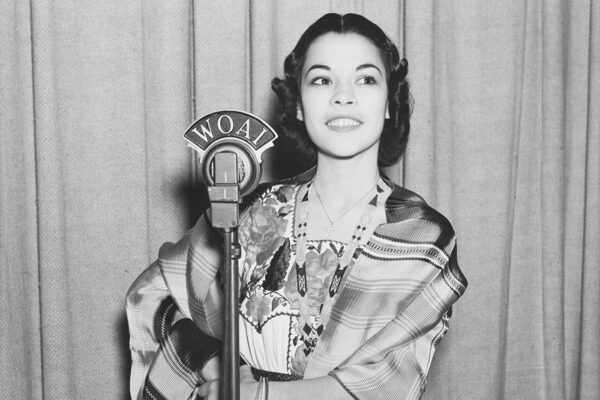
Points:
[230,144]
[225,198]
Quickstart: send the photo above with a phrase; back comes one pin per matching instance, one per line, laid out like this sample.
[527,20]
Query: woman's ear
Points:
[299,114]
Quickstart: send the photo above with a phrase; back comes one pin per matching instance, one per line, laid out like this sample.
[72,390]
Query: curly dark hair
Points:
[395,129]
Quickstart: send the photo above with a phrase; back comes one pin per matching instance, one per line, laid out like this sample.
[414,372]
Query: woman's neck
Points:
[341,191]
[343,182]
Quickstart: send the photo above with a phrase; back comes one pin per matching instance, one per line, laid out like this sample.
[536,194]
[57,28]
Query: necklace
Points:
[344,260]
[331,227]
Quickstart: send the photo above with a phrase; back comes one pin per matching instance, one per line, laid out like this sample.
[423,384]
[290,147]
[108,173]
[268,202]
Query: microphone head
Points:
[249,168]
[239,132]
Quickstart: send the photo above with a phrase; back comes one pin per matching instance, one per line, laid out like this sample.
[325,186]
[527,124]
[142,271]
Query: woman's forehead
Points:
[342,50]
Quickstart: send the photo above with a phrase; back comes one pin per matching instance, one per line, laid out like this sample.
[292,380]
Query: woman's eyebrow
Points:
[365,66]
[317,66]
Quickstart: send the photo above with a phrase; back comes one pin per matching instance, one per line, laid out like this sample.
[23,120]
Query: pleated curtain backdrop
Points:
[506,142]
[95,175]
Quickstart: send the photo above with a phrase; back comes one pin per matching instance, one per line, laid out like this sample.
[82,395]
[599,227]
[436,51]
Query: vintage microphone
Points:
[230,145]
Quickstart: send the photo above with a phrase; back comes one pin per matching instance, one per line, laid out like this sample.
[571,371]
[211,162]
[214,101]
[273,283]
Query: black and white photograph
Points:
[300,199]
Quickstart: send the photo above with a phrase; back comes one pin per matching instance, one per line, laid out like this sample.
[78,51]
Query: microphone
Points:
[230,144]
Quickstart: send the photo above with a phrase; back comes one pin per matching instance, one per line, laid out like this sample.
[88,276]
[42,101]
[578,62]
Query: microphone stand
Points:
[225,199]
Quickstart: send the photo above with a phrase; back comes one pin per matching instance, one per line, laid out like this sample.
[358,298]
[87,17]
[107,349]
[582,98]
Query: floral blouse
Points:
[271,335]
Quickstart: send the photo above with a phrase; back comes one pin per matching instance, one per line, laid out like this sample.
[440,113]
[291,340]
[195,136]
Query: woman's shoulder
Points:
[281,188]
[409,218]
[414,229]
[282,191]
[404,204]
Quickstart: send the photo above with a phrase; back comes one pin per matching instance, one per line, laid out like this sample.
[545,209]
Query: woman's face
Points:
[344,93]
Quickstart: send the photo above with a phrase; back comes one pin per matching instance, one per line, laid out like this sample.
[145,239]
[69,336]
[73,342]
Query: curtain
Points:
[506,144]
[95,175]
[93,179]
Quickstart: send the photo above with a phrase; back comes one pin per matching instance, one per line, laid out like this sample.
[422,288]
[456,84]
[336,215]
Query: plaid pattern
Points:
[391,312]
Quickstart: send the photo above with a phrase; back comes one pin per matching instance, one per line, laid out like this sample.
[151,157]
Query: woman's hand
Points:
[248,385]
[211,372]
[210,389]
[212,369]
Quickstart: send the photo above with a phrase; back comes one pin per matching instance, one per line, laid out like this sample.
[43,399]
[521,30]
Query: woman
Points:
[347,279]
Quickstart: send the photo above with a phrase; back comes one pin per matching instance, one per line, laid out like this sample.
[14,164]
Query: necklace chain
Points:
[336,220]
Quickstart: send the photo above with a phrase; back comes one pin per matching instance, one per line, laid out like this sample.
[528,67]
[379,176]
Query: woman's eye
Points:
[367,80]
[320,80]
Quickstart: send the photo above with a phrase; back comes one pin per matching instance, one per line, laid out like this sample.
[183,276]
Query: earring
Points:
[387,113]
[299,115]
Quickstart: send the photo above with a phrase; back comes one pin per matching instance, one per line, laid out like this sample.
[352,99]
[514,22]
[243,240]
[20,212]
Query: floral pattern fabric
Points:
[269,287]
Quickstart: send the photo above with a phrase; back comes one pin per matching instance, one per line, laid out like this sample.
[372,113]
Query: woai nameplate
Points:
[237,131]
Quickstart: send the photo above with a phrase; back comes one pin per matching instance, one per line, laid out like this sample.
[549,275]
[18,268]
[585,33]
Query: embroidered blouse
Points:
[274,336]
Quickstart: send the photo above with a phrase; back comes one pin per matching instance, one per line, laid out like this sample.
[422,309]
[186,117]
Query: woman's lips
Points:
[343,123]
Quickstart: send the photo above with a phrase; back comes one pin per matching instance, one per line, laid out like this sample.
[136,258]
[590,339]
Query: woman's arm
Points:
[324,387]
[395,361]
[143,300]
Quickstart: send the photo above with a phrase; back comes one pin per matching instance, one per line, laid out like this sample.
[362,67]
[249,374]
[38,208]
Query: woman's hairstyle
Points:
[395,129]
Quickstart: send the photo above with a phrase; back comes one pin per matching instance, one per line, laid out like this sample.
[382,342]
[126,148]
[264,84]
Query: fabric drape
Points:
[92,182]
[505,141]
[95,175]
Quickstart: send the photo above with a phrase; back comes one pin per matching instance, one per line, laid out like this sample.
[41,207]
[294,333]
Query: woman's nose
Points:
[343,96]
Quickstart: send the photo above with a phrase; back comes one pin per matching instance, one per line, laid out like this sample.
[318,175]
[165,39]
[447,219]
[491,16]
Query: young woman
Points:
[347,280]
